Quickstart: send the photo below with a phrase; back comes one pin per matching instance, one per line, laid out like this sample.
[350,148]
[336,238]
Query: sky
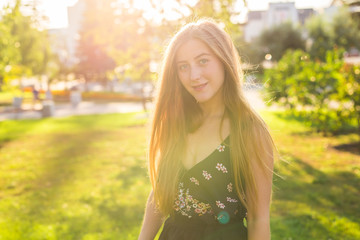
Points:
[56,10]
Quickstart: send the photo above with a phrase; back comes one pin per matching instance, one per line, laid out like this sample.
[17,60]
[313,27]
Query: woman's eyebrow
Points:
[201,55]
[198,56]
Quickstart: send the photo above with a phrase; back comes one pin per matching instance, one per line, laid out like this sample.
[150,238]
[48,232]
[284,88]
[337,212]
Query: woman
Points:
[210,154]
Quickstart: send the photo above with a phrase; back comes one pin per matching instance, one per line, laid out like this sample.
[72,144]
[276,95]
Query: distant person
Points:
[48,94]
[210,153]
[36,95]
[75,97]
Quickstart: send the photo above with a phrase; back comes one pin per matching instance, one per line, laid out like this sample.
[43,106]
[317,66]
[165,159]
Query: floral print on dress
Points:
[214,179]
[194,180]
[221,148]
[185,202]
[221,167]
[229,199]
[220,204]
[206,175]
[229,187]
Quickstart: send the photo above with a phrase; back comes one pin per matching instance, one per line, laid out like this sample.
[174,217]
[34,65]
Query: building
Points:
[65,40]
[75,16]
[59,44]
[276,14]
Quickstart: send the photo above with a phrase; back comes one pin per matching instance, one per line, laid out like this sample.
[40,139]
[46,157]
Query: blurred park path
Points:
[66,109]
[88,107]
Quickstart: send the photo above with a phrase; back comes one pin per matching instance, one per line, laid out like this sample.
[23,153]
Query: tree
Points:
[280,38]
[355,13]
[136,44]
[280,83]
[34,46]
[345,30]
[320,32]
[27,48]
[9,52]
[341,32]
[133,43]
[97,25]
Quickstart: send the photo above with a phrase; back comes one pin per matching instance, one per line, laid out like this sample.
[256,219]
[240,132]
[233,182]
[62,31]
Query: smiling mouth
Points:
[199,87]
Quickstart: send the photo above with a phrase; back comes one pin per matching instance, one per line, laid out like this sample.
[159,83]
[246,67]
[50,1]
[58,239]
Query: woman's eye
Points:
[203,61]
[183,67]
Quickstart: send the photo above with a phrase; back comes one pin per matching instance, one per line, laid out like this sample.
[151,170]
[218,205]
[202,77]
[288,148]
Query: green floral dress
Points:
[207,206]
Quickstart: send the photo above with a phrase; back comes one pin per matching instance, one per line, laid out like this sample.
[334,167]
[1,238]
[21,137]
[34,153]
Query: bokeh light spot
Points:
[268,57]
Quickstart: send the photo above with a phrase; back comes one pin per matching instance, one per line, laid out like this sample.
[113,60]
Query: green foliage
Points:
[24,49]
[346,32]
[341,32]
[323,35]
[251,52]
[350,93]
[319,31]
[33,44]
[318,86]
[326,94]
[10,56]
[274,41]
[280,81]
[277,40]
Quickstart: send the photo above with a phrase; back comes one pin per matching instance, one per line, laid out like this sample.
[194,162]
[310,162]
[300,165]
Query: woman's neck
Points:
[213,116]
[212,110]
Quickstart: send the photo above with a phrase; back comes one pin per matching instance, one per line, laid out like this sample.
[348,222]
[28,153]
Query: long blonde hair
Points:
[176,114]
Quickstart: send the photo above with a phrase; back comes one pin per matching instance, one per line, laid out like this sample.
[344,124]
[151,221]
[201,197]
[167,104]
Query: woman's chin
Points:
[201,100]
[198,100]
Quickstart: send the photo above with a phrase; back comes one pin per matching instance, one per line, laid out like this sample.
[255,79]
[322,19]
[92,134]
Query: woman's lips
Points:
[199,87]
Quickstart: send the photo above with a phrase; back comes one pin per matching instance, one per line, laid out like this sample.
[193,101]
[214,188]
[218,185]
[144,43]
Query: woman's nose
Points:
[195,73]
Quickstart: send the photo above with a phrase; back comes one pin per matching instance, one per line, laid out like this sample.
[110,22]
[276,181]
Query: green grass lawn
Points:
[85,177]
[317,192]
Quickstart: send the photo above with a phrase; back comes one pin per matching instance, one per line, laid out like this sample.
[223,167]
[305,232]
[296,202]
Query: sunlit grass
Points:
[317,193]
[85,177]
[74,178]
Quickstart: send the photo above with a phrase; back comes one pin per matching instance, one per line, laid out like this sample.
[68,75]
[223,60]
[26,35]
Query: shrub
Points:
[326,94]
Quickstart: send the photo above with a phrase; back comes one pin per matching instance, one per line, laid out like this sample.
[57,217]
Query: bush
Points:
[326,94]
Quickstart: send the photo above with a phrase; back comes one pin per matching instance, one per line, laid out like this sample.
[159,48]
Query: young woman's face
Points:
[200,71]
